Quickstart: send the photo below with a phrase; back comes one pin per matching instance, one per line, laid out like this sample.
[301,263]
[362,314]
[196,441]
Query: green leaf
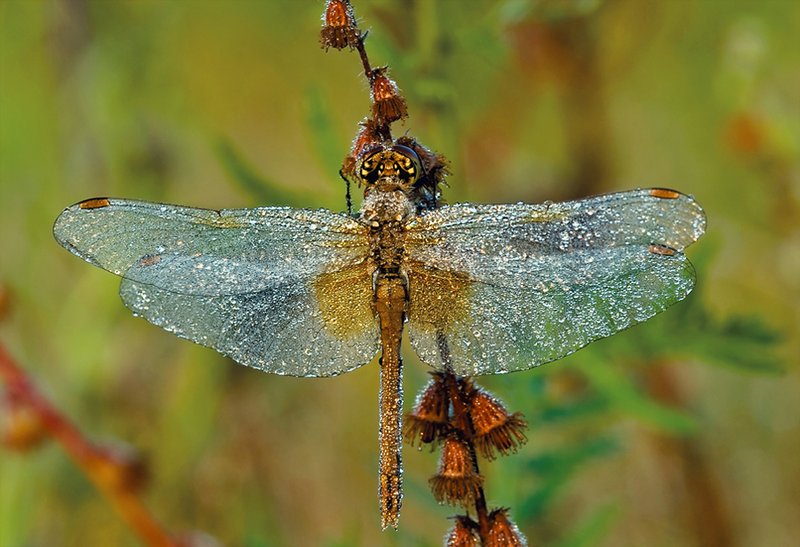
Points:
[622,394]
[261,189]
[593,528]
[575,409]
[556,468]
[330,146]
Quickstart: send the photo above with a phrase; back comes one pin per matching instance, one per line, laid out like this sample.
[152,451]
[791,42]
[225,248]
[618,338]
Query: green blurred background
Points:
[682,431]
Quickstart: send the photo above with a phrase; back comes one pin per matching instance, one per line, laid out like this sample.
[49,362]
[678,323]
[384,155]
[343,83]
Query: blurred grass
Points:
[233,104]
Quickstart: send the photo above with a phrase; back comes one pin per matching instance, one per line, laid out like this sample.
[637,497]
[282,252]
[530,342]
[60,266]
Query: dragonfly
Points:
[480,289]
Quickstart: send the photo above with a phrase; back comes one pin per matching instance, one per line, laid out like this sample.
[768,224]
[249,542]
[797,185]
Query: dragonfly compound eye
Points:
[407,163]
[371,168]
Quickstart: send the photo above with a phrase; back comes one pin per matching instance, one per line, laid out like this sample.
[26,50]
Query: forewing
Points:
[528,284]
[283,290]
[208,252]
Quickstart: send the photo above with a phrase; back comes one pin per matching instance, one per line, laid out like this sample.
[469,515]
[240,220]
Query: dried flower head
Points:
[503,532]
[388,105]
[463,533]
[339,28]
[121,467]
[495,428]
[456,482]
[428,421]
[21,427]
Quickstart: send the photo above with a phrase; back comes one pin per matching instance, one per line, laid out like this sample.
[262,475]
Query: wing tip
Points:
[695,214]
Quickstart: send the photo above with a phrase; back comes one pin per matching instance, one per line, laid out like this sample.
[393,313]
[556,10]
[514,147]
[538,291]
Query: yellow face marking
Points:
[662,250]
[345,300]
[664,193]
[94,203]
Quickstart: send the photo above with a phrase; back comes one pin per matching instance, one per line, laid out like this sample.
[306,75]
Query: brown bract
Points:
[428,421]
[339,28]
[456,483]
[495,428]
[463,533]
[503,532]
[388,105]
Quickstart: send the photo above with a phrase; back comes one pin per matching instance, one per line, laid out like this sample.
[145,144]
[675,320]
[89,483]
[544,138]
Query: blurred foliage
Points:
[233,104]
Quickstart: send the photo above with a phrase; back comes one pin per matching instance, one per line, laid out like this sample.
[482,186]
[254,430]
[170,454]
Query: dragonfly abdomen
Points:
[390,303]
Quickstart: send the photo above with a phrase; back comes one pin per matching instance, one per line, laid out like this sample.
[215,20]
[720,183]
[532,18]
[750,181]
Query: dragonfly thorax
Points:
[386,204]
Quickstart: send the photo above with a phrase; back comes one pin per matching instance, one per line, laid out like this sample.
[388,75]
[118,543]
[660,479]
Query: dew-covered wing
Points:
[498,288]
[283,290]
[205,251]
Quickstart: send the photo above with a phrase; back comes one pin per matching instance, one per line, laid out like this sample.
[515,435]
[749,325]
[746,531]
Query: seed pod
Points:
[495,428]
[388,105]
[339,29]
[428,421]
[463,533]
[456,483]
[503,532]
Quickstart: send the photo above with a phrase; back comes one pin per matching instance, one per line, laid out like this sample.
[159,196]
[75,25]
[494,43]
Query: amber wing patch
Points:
[438,299]
[345,300]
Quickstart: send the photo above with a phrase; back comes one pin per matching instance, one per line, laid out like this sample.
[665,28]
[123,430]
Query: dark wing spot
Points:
[94,203]
[664,193]
[662,250]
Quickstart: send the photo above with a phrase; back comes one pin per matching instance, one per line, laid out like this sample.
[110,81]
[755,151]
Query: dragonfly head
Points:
[388,174]
[395,167]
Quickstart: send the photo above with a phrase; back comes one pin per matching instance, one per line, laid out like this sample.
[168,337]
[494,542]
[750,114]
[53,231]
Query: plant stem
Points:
[92,461]
[464,423]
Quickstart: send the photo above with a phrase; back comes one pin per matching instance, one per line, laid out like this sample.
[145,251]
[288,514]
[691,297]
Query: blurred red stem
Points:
[85,455]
